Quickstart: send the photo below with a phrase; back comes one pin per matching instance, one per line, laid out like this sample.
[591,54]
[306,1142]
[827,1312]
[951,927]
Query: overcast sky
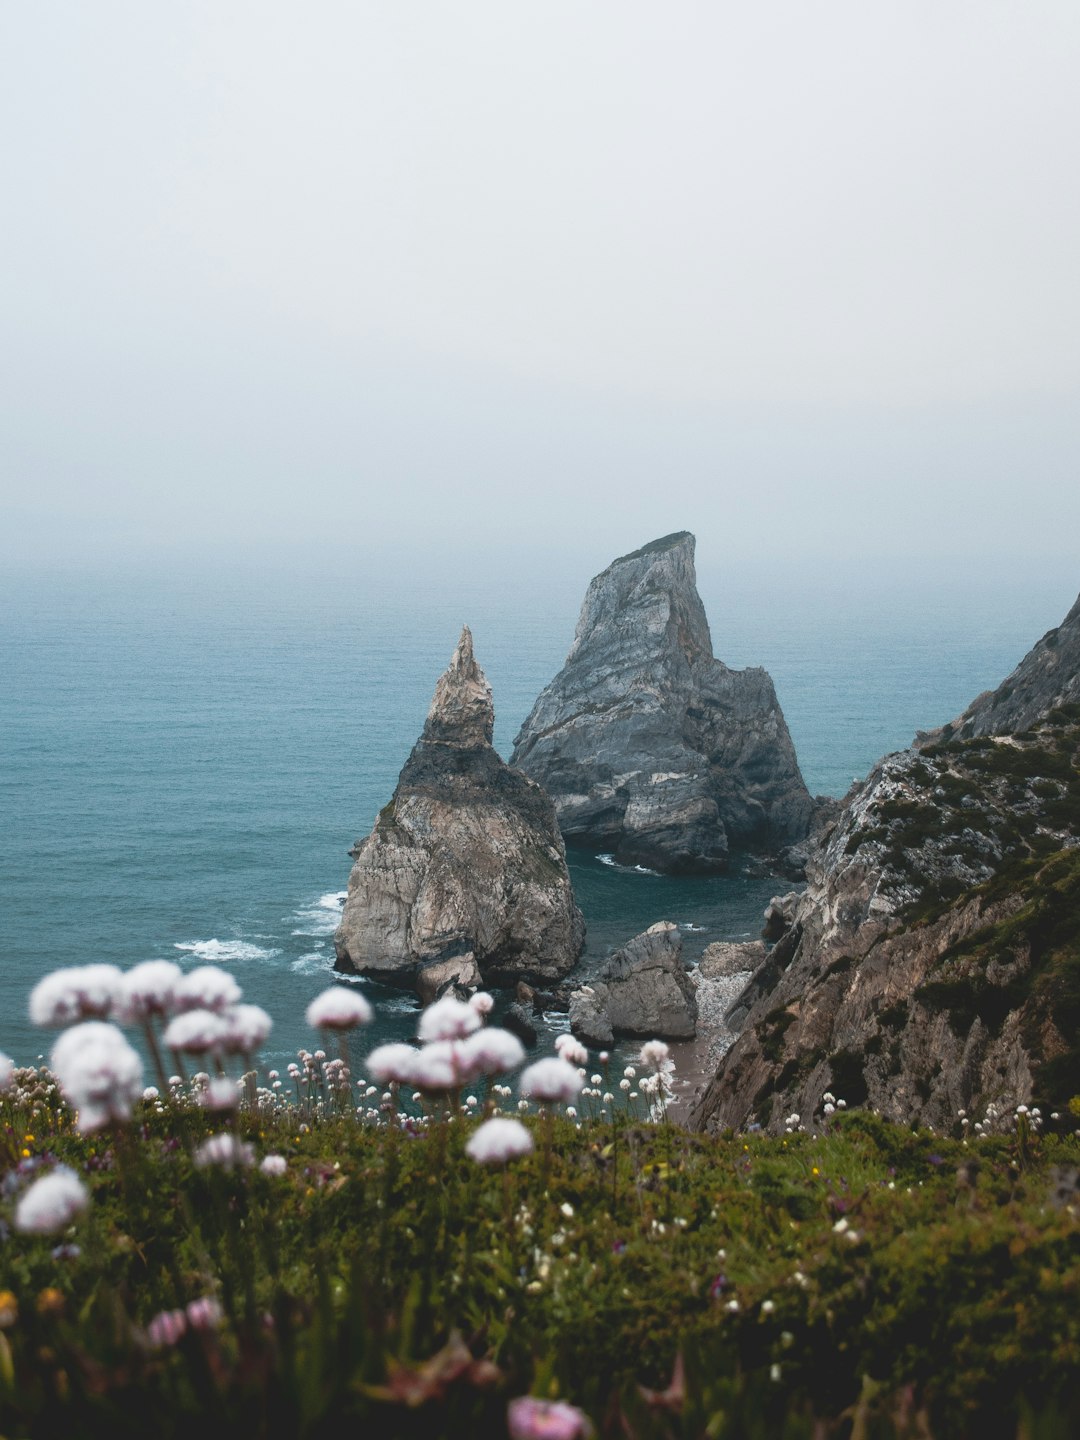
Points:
[804,278]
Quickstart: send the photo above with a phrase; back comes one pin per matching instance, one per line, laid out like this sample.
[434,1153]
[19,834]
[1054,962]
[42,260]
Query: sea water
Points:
[187,755]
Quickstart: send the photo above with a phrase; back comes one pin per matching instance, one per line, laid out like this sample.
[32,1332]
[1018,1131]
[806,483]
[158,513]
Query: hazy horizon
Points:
[370,286]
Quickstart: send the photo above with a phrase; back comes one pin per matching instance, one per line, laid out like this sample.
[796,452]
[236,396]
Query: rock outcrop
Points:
[643,989]
[1046,679]
[652,749]
[724,958]
[464,874]
[929,964]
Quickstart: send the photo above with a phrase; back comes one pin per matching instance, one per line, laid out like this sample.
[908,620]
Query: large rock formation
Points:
[931,966]
[465,870]
[1047,678]
[643,989]
[651,748]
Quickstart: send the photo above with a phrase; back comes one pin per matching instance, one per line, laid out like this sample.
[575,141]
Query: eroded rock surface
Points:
[465,868]
[643,989]
[928,965]
[652,749]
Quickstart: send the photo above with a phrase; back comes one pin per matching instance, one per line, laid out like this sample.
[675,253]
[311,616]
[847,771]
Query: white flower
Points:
[246,1028]
[147,989]
[7,1070]
[550,1080]
[51,1203]
[767,1307]
[624,1084]
[482,1003]
[226,1151]
[438,1066]
[655,1054]
[567,1209]
[448,1019]
[207,987]
[630,1073]
[274,1165]
[571,1050]
[220,1095]
[339,1009]
[99,1073]
[497,1141]
[492,1051]
[596,1079]
[197,1032]
[841,1225]
[150,1093]
[81,992]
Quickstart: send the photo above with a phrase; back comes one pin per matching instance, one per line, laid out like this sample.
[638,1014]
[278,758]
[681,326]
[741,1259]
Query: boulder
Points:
[643,989]
[589,1019]
[724,958]
[466,859]
[456,972]
[520,1022]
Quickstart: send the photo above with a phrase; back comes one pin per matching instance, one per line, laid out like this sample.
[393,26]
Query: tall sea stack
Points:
[464,874]
[652,749]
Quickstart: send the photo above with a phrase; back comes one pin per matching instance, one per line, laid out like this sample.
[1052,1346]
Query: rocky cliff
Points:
[1047,678]
[464,874]
[933,962]
[652,749]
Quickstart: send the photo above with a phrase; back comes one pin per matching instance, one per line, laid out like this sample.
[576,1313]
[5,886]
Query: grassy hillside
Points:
[664,1283]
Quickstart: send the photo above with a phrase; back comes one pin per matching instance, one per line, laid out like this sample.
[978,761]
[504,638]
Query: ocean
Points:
[187,753]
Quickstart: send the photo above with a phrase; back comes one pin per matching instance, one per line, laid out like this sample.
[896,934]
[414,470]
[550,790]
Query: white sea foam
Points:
[691,928]
[316,962]
[613,864]
[220,952]
[321,916]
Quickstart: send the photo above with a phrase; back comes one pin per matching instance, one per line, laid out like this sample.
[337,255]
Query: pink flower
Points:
[52,1203]
[166,1328]
[530,1419]
[147,989]
[204,1313]
[197,1032]
[99,1073]
[207,987]
[482,1002]
[448,1019]
[338,1009]
[497,1141]
[81,992]
[492,1051]
[7,1071]
[393,1062]
[571,1050]
[551,1080]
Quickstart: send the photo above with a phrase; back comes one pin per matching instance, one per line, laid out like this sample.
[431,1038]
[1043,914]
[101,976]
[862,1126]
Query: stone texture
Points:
[845,999]
[457,972]
[652,749]
[1046,678]
[466,858]
[724,958]
[589,1019]
[643,989]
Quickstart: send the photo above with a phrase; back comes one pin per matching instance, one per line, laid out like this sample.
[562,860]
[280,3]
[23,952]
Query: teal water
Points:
[186,756]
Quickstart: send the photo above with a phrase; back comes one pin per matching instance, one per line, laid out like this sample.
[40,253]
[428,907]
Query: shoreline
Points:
[696,1060]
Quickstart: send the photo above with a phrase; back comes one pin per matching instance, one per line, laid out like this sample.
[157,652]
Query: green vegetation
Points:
[858,1276]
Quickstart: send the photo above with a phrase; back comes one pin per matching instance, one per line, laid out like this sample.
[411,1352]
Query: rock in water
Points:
[465,869]
[643,989]
[651,748]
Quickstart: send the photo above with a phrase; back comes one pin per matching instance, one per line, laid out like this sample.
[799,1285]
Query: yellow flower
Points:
[50,1301]
[9,1309]
[26,1154]
[815,1171]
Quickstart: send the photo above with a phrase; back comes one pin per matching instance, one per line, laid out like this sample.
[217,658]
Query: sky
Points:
[374,280]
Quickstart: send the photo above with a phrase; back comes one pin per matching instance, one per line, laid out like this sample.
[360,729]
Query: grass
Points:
[864,1279]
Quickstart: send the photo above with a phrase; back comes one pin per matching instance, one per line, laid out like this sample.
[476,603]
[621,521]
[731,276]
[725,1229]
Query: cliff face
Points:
[933,962]
[465,863]
[650,747]
[1047,678]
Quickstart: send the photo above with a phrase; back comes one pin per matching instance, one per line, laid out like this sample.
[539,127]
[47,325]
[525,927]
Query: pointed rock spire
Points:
[462,711]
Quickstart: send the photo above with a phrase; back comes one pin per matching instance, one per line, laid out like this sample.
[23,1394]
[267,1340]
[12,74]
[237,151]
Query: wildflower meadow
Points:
[441,1239]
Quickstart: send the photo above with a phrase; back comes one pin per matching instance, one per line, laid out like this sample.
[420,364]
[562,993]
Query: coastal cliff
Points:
[652,749]
[931,965]
[464,874]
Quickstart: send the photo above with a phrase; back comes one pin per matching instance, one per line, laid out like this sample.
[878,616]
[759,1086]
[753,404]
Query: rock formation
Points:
[464,874]
[1047,678]
[643,989]
[930,964]
[652,749]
